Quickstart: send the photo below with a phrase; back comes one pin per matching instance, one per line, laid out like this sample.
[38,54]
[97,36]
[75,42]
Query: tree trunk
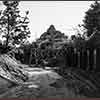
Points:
[7,38]
[30,58]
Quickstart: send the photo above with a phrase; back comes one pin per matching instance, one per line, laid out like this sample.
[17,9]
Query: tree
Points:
[51,37]
[13,27]
[92,19]
[49,47]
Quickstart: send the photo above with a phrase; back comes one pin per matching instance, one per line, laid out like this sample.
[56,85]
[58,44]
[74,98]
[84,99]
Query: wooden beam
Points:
[95,53]
[88,63]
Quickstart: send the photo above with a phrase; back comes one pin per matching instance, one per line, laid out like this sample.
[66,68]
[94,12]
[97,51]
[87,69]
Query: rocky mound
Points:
[11,70]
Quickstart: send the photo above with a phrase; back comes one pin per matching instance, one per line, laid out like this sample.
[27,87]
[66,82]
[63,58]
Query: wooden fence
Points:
[88,59]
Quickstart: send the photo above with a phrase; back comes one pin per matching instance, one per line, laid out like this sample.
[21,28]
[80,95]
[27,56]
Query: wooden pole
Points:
[88,66]
[94,66]
[78,59]
[75,61]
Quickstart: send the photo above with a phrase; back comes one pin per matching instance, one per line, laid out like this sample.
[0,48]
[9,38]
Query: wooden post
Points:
[75,60]
[78,59]
[94,66]
[75,50]
[82,60]
[88,66]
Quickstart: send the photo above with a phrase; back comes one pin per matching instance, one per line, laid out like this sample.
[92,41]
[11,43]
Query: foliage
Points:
[23,52]
[48,47]
[92,19]
[78,40]
[52,37]
[13,27]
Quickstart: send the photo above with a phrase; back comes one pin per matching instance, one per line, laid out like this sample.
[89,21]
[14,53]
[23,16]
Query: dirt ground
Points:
[53,91]
[68,87]
[60,89]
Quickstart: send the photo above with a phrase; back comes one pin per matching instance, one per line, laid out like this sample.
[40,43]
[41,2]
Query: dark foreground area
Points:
[75,83]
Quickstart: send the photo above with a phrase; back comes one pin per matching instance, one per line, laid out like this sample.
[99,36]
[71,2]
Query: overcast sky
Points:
[62,14]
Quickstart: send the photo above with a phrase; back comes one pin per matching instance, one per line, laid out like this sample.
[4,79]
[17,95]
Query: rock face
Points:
[11,70]
[5,85]
[10,73]
[4,82]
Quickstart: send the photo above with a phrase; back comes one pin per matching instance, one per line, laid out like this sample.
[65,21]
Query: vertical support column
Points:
[75,50]
[82,60]
[95,53]
[72,58]
[75,59]
[88,66]
[78,59]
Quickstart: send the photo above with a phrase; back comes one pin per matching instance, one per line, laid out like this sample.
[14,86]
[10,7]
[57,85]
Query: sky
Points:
[64,15]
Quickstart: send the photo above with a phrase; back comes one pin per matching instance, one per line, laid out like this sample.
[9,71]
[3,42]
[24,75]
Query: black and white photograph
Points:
[49,49]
